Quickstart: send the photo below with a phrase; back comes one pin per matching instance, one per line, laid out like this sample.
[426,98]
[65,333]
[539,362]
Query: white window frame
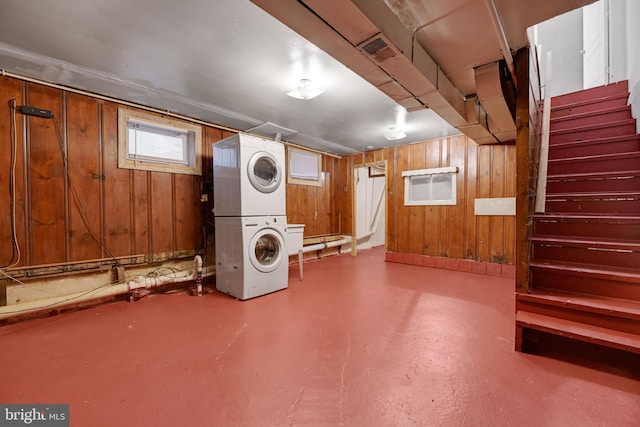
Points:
[304,167]
[411,177]
[192,148]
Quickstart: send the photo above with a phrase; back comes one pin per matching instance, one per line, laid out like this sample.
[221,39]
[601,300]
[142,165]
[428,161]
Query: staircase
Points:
[584,273]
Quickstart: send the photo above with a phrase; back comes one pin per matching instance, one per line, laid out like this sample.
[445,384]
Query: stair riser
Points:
[593,93]
[593,185]
[585,317]
[568,281]
[627,207]
[607,230]
[593,257]
[604,104]
[593,165]
[591,120]
[580,150]
[583,135]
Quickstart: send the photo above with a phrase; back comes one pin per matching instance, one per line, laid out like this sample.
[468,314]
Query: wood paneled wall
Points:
[86,208]
[103,212]
[450,231]
[319,207]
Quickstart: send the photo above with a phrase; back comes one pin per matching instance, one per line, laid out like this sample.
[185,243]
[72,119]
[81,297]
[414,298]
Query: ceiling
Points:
[231,62]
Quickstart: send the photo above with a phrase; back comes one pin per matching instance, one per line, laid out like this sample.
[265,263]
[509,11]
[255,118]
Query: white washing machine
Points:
[248,177]
[251,255]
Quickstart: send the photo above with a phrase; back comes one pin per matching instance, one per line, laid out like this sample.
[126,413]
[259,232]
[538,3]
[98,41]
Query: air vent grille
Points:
[374,46]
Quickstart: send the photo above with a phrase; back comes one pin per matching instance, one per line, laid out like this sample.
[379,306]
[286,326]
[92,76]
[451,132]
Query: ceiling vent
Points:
[379,50]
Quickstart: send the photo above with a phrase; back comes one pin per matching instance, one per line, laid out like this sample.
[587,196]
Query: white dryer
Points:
[248,177]
[251,255]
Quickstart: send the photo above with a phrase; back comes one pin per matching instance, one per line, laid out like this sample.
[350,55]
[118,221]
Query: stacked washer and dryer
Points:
[250,216]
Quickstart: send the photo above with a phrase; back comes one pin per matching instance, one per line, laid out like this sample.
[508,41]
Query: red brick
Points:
[466,265]
[428,261]
[509,271]
[494,269]
[479,267]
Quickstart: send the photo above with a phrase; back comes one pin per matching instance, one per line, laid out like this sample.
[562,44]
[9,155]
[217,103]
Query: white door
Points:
[595,41]
[370,206]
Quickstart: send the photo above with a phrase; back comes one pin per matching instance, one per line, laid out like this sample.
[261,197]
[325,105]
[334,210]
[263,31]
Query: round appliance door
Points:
[267,250]
[264,172]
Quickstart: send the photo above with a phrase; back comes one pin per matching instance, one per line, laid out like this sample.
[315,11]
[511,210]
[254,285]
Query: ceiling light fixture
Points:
[305,90]
[394,133]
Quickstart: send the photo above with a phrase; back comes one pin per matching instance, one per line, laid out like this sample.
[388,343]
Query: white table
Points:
[295,234]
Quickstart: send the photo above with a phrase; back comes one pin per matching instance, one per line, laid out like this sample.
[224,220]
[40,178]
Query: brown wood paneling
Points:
[510,191]
[443,211]
[496,223]
[484,191]
[140,209]
[455,215]
[403,212]
[345,168]
[118,226]
[11,89]
[369,157]
[420,233]
[186,205]
[162,214]
[392,199]
[83,153]
[48,240]
[471,180]
[523,204]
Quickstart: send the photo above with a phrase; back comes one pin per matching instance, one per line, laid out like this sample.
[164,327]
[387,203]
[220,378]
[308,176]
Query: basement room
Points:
[320,213]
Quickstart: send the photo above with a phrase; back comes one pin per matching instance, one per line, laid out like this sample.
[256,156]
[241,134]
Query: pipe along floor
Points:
[359,342]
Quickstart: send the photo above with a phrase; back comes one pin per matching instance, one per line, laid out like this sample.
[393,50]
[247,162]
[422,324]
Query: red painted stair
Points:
[584,274]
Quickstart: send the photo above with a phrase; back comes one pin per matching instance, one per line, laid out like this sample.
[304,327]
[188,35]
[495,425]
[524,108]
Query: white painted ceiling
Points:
[228,62]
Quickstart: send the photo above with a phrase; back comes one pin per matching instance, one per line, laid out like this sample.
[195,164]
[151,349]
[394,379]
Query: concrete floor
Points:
[359,342]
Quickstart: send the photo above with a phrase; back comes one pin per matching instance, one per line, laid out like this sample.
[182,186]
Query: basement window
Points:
[161,144]
[304,167]
[426,187]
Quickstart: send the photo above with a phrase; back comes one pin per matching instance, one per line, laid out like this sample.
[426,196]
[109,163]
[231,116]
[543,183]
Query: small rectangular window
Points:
[304,167]
[155,143]
[425,187]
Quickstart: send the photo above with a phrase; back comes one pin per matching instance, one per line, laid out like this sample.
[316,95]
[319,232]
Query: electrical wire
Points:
[91,291]
[15,250]
[76,196]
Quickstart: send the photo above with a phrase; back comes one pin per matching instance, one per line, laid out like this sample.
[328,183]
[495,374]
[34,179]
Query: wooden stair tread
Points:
[615,123]
[590,114]
[594,334]
[594,94]
[591,101]
[597,157]
[619,273]
[596,195]
[604,218]
[607,140]
[594,175]
[589,242]
[628,309]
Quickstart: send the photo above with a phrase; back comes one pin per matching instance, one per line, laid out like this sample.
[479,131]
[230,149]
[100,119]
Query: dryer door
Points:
[264,172]
[267,250]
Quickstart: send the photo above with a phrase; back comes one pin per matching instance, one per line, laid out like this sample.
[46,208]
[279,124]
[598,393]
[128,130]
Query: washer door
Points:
[266,250]
[264,172]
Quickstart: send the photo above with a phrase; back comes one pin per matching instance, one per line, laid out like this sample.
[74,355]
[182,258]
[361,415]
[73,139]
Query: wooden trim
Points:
[123,162]
[522,171]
